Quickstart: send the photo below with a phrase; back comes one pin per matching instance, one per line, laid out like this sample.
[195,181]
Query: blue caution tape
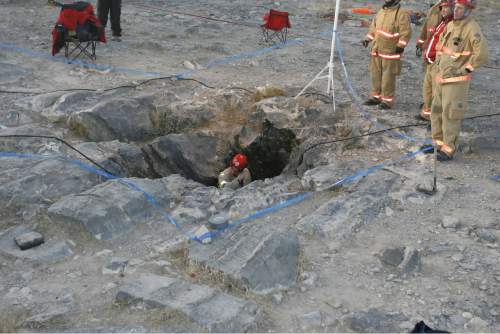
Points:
[257,214]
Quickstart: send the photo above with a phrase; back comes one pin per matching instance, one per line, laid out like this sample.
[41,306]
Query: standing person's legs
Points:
[103,7]
[455,106]
[390,69]
[437,115]
[375,69]
[116,10]
[427,92]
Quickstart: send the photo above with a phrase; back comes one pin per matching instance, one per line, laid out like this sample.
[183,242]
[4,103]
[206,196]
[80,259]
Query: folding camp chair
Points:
[73,47]
[77,30]
[275,26]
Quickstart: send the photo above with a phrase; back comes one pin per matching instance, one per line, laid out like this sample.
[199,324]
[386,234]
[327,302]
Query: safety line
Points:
[109,176]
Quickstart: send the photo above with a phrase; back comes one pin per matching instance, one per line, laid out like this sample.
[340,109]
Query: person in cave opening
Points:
[236,175]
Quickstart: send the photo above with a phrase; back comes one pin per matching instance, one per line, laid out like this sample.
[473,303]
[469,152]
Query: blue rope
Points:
[496,178]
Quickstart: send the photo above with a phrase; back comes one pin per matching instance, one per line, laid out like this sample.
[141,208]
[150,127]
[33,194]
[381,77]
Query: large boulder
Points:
[196,156]
[181,116]
[117,206]
[256,257]
[121,118]
[207,307]
[121,159]
[30,185]
[63,106]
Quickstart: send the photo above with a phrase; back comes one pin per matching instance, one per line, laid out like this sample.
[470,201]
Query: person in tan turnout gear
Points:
[236,175]
[461,49]
[390,32]
[434,19]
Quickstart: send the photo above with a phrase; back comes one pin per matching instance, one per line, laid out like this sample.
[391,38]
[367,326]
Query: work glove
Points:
[399,50]
[365,43]
[418,51]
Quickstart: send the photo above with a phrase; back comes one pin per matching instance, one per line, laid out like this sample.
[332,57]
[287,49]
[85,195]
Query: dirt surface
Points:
[344,284]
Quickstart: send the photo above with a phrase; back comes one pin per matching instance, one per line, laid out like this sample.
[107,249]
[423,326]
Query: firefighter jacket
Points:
[461,49]
[228,180]
[430,24]
[389,29]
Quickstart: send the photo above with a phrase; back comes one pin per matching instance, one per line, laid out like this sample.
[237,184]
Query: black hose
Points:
[118,87]
[309,148]
[385,130]
[62,141]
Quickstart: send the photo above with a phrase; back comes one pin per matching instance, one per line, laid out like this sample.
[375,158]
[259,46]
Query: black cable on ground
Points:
[309,148]
[385,130]
[121,86]
[62,141]
[92,89]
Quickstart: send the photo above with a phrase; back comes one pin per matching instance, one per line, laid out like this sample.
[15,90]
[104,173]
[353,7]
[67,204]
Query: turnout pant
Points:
[449,106]
[383,74]
[427,90]
[114,9]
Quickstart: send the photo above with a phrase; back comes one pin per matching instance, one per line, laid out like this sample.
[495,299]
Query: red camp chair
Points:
[275,26]
[77,30]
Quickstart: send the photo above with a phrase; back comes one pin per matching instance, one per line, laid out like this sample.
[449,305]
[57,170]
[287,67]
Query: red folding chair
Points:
[276,25]
[77,30]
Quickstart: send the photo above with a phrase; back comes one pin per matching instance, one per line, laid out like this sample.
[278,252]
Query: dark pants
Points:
[114,8]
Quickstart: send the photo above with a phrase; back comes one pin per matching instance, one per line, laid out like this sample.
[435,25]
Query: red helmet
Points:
[469,3]
[239,161]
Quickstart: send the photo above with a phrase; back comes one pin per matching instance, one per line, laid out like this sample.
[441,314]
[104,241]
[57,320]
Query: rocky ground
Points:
[330,237]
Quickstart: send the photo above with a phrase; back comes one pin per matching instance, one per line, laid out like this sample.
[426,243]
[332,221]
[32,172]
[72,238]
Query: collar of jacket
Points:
[384,7]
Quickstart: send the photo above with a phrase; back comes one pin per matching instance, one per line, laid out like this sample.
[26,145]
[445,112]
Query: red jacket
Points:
[430,47]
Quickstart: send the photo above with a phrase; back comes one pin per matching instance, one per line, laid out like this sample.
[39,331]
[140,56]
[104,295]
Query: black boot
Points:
[441,156]
[372,102]
[384,106]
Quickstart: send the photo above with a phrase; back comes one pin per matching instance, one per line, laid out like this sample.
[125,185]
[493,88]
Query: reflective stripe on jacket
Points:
[461,49]
[389,29]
